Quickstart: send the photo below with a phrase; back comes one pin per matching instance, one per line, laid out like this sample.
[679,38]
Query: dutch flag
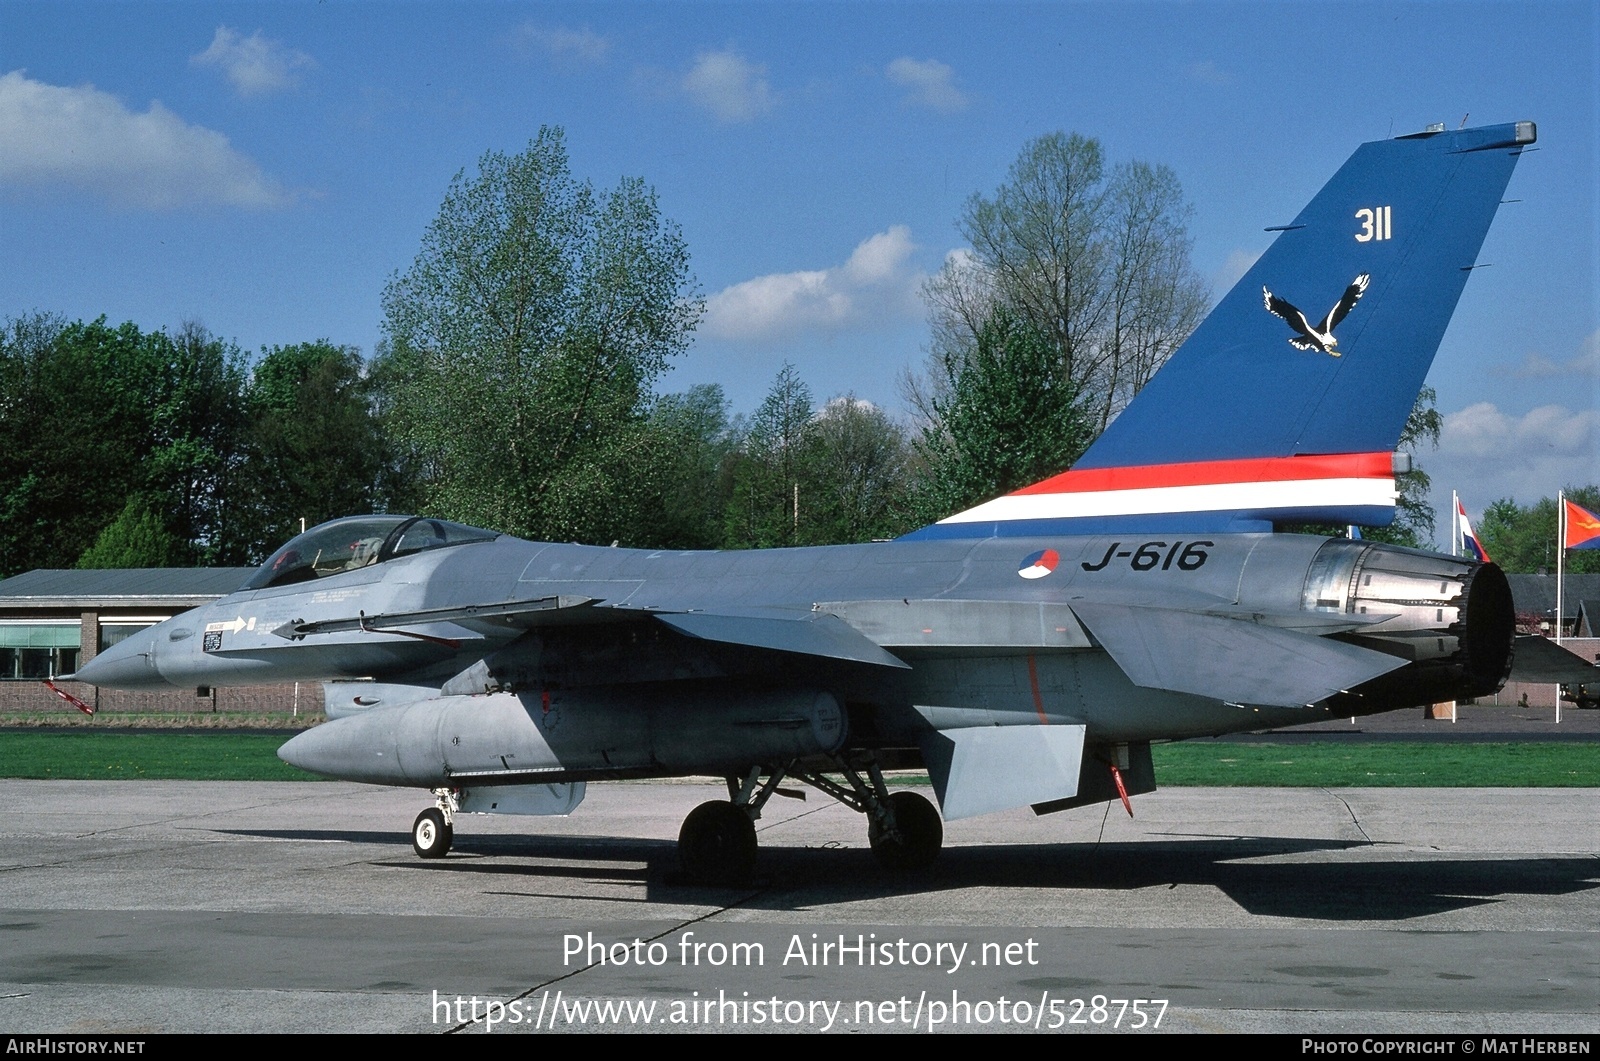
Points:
[1469,540]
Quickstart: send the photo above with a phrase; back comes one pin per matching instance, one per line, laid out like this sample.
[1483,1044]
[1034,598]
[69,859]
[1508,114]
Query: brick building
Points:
[53,621]
[1534,597]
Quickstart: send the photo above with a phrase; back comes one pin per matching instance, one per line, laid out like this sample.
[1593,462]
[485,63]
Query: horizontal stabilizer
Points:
[1227,659]
[1539,659]
[809,634]
[977,771]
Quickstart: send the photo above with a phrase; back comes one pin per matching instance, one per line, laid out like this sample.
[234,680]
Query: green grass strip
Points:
[1397,764]
[83,756]
[146,757]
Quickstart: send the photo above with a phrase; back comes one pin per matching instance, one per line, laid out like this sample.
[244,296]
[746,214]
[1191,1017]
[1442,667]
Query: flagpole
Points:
[1561,553]
[1455,524]
[1561,563]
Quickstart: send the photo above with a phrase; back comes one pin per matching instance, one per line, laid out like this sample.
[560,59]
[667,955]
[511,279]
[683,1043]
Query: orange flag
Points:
[1583,528]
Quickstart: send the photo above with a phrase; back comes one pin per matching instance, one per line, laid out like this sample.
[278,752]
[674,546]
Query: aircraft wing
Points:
[810,634]
[1539,659]
[1228,659]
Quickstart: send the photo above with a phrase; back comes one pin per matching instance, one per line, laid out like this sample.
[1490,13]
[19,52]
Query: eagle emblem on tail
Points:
[1318,337]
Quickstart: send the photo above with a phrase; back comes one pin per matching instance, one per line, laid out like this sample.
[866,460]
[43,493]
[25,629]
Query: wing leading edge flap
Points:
[991,768]
[1227,659]
[810,634]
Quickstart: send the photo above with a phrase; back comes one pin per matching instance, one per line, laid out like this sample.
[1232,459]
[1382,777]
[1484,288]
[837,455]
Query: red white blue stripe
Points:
[1341,488]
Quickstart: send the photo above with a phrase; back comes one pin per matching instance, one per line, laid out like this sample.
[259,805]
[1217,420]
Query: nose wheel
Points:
[431,835]
[434,831]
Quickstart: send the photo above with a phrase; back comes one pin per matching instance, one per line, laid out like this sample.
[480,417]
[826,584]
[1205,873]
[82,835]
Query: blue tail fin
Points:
[1287,401]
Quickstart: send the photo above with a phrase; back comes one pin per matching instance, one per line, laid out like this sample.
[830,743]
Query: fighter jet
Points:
[1025,653]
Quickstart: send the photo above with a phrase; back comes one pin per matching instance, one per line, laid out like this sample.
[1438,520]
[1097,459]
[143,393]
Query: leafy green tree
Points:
[1414,523]
[26,345]
[136,538]
[197,440]
[692,446]
[1009,416]
[860,463]
[1522,538]
[92,416]
[76,433]
[315,448]
[523,342]
[773,470]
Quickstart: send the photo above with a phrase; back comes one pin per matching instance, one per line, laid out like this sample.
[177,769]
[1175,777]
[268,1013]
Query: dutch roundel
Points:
[1039,564]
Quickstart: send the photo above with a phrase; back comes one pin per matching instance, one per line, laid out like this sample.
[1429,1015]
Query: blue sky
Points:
[265,168]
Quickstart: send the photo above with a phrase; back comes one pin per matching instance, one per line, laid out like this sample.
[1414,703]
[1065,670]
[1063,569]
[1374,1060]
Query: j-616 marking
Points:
[1148,554]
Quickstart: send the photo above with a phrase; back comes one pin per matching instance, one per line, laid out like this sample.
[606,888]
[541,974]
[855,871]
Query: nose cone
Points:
[129,664]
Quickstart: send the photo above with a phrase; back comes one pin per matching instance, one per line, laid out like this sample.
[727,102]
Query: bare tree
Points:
[1156,298]
[1097,262]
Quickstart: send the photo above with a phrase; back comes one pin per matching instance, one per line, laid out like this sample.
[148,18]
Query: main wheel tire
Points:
[921,834]
[717,843]
[430,835]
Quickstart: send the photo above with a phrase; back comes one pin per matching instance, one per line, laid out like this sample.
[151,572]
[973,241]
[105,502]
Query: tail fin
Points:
[1278,407]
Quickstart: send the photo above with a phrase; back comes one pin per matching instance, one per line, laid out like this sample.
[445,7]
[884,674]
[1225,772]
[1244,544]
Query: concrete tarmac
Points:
[141,907]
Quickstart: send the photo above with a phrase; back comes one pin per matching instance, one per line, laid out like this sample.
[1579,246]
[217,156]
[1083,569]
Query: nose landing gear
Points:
[434,830]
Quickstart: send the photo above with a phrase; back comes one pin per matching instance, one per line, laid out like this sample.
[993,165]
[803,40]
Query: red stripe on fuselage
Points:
[1208,473]
[1033,683]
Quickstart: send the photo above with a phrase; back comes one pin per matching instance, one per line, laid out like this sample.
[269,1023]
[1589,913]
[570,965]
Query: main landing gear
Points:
[717,843]
[434,830]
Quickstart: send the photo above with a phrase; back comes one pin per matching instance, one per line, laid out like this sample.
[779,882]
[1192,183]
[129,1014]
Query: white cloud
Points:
[564,45]
[875,282]
[1487,454]
[729,86]
[1585,365]
[1482,430]
[1232,270]
[930,84]
[256,65]
[87,138]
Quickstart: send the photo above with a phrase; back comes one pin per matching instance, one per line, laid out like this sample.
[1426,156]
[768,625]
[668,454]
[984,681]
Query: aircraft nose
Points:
[129,664]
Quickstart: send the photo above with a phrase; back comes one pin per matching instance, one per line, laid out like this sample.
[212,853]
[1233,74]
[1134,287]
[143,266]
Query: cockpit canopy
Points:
[356,541]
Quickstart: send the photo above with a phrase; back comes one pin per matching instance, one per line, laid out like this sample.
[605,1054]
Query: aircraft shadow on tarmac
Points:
[1383,889]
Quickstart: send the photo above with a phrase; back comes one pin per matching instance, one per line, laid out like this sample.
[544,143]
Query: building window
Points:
[34,651]
[115,631]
